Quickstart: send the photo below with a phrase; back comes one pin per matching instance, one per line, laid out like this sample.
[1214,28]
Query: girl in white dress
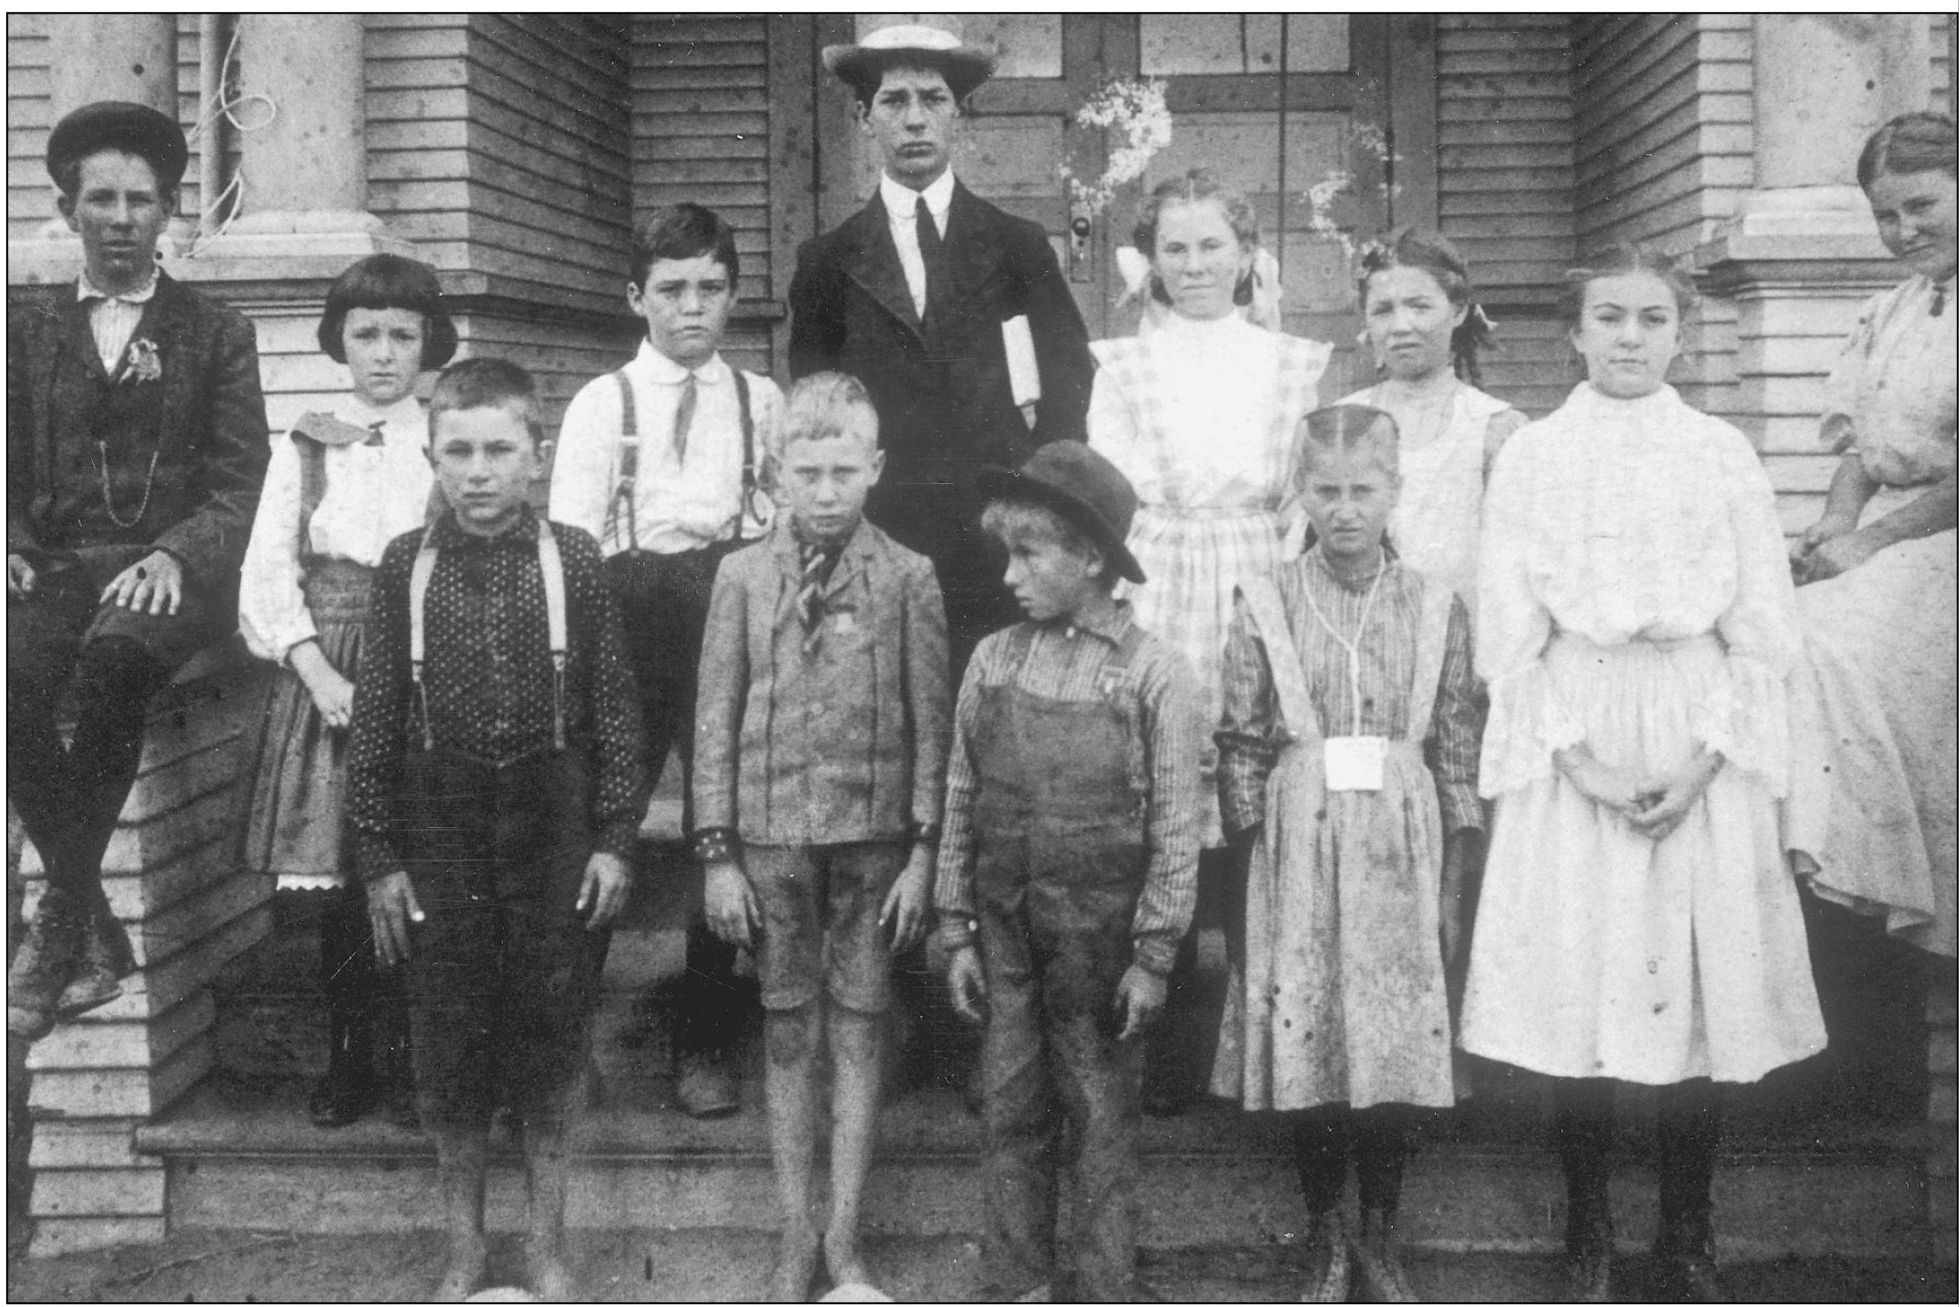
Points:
[1871,809]
[1425,329]
[341,484]
[1200,414]
[1638,919]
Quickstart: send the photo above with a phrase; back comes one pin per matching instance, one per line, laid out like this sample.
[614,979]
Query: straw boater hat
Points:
[906,43]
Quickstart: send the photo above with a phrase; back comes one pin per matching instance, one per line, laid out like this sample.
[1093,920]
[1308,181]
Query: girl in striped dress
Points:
[1347,769]
[1425,329]
[342,483]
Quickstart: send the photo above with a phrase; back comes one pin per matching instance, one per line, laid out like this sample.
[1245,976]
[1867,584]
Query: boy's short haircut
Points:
[487,383]
[818,407]
[1351,428]
[1006,518]
[683,231]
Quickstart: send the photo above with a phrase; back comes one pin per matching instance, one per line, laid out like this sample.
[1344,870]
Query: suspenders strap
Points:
[625,499]
[552,565]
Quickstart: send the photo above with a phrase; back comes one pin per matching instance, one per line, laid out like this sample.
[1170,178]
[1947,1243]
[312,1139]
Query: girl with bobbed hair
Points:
[1638,921]
[343,481]
[1426,332]
[1871,812]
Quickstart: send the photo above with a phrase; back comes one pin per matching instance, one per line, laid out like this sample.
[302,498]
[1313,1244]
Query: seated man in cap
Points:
[136,445]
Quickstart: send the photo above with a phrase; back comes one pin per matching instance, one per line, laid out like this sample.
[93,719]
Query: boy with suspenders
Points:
[658,461]
[495,792]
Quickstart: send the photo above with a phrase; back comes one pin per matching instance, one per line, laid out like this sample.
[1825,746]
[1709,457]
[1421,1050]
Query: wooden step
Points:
[240,1154]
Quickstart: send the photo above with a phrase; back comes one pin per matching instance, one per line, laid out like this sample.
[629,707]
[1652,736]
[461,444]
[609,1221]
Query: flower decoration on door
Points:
[1137,120]
[1325,217]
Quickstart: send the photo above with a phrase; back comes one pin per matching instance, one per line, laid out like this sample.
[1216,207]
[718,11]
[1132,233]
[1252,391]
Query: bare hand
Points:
[1837,555]
[965,977]
[391,907]
[1140,996]
[1606,786]
[903,916]
[333,696]
[1825,528]
[608,883]
[732,913]
[1669,798]
[20,577]
[154,584]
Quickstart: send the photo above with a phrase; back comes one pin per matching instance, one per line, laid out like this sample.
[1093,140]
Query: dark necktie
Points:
[683,417]
[817,562]
[1938,299]
[931,248]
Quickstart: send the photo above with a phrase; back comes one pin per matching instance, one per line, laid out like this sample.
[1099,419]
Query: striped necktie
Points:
[817,562]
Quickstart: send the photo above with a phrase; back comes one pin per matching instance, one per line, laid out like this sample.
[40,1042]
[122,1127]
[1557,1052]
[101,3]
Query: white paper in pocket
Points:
[1023,369]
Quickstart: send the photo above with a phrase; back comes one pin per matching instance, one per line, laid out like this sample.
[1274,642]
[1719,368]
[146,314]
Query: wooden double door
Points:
[1281,106]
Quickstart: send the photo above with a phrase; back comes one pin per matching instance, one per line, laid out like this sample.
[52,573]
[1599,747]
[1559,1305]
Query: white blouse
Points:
[1895,385]
[373,493]
[1632,520]
[1190,412]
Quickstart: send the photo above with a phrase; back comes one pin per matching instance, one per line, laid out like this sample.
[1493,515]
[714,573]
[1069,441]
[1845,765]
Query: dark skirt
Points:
[298,811]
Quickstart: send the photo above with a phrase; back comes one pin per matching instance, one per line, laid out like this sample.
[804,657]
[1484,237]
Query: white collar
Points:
[86,290]
[663,371]
[901,201]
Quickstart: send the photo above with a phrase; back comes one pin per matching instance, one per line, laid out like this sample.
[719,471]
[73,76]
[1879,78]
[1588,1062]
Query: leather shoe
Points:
[706,1088]
[46,961]
[106,959]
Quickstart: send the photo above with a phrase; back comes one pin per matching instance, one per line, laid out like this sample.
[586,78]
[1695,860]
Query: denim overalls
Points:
[1059,826]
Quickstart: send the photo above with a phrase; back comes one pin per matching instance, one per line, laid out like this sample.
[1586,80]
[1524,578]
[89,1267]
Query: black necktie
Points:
[931,249]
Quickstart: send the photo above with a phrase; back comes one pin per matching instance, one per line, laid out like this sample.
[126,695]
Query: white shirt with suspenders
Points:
[618,475]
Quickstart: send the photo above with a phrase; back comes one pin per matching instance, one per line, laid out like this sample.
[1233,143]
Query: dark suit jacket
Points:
[944,402]
[212,442]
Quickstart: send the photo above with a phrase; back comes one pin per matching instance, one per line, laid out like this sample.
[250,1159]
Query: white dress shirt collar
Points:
[901,201]
[86,290]
[661,370]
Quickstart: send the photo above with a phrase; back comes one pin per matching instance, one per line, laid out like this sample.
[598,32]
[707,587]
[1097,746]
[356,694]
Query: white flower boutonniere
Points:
[143,362]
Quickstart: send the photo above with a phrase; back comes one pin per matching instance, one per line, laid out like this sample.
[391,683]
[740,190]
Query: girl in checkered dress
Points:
[1199,414]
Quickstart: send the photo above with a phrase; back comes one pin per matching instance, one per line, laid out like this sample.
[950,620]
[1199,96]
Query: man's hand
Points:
[1140,995]
[732,913]
[1668,799]
[391,907]
[154,584]
[603,893]
[903,915]
[20,577]
[965,977]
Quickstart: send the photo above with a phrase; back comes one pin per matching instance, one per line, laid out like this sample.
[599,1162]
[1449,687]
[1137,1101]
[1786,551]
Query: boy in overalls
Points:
[1067,870]
[495,791]
[659,462]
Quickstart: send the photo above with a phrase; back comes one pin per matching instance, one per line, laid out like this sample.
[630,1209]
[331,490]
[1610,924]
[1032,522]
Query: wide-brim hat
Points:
[1086,489]
[120,125]
[893,43]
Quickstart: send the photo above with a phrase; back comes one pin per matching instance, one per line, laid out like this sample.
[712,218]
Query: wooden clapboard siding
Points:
[1505,183]
[701,131]
[417,107]
[1941,41]
[1665,126]
[30,196]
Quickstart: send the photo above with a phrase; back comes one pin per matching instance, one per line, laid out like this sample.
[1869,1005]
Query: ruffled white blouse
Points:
[373,494]
[1617,521]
